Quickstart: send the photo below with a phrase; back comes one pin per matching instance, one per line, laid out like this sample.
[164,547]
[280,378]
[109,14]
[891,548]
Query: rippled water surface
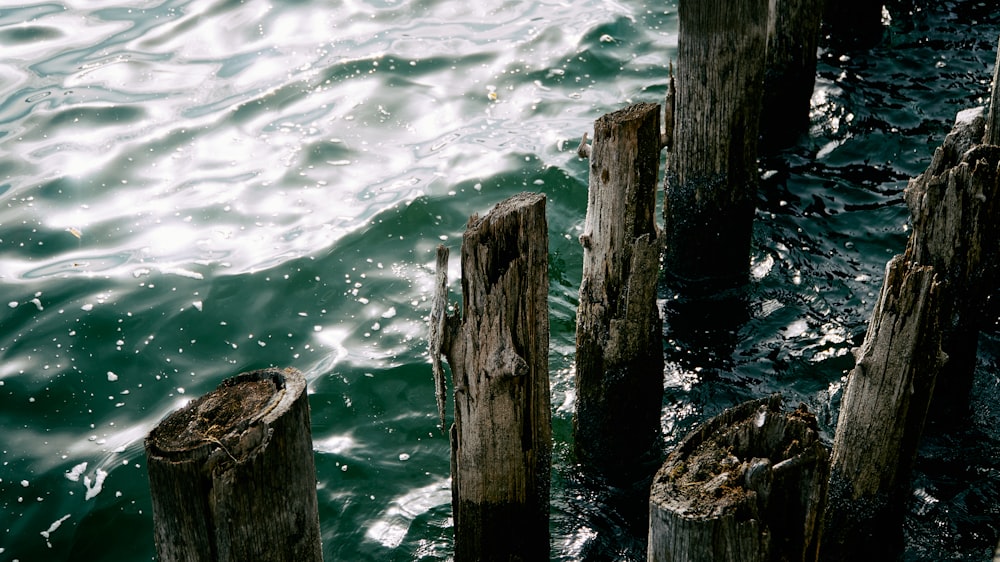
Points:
[192,189]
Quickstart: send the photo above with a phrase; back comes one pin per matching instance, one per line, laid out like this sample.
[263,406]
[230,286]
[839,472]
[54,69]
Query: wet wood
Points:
[749,485]
[790,75]
[438,325]
[711,177]
[955,213]
[619,350]
[882,416]
[498,354]
[232,474]
[992,135]
[855,23]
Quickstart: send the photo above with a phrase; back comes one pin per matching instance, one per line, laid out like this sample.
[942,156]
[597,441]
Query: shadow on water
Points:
[611,521]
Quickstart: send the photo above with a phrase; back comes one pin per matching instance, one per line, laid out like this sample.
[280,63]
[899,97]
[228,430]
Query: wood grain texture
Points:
[711,177]
[882,416]
[498,352]
[232,474]
[749,485]
[619,351]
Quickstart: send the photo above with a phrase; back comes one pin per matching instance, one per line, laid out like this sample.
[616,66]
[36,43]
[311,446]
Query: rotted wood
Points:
[619,350]
[955,213]
[501,440]
[992,135]
[790,75]
[882,416]
[232,474]
[749,485]
[711,177]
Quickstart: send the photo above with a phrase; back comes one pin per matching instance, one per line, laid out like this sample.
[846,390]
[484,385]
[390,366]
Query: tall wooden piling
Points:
[790,75]
[854,22]
[747,486]
[955,214]
[992,135]
[711,177]
[882,416]
[619,351]
[498,353]
[232,474]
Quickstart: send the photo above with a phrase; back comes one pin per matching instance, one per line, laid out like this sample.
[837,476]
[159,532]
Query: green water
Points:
[192,189]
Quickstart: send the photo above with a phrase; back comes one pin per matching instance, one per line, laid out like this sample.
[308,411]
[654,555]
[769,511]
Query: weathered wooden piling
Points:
[232,474]
[790,71]
[619,350]
[955,214]
[882,415]
[749,485]
[711,177]
[992,135]
[854,22]
[498,353]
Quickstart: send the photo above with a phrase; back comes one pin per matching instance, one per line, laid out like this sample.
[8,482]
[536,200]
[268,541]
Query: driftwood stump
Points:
[619,350]
[748,486]
[498,352]
[232,474]
[790,75]
[882,416]
[711,177]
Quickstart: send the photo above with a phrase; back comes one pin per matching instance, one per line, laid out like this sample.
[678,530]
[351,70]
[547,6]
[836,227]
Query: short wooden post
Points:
[790,75]
[955,213]
[501,440]
[882,416]
[619,350]
[232,474]
[749,486]
[711,177]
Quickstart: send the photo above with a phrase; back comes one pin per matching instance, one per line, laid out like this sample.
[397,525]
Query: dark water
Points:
[192,189]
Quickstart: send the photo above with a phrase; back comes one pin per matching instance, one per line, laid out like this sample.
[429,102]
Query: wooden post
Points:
[501,440]
[790,75]
[749,486]
[854,22]
[882,416]
[232,474]
[955,214]
[992,135]
[619,350]
[711,177]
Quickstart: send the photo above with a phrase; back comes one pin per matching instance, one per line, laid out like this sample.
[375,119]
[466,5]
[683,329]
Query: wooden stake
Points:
[711,175]
[232,474]
[790,75]
[619,352]
[749,485]
[501,441]
[882,416]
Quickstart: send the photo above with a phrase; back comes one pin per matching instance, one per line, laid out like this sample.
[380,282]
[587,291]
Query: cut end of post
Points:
[221,417]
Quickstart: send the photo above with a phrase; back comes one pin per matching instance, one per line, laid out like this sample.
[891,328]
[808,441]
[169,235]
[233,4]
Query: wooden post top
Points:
[225,416]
